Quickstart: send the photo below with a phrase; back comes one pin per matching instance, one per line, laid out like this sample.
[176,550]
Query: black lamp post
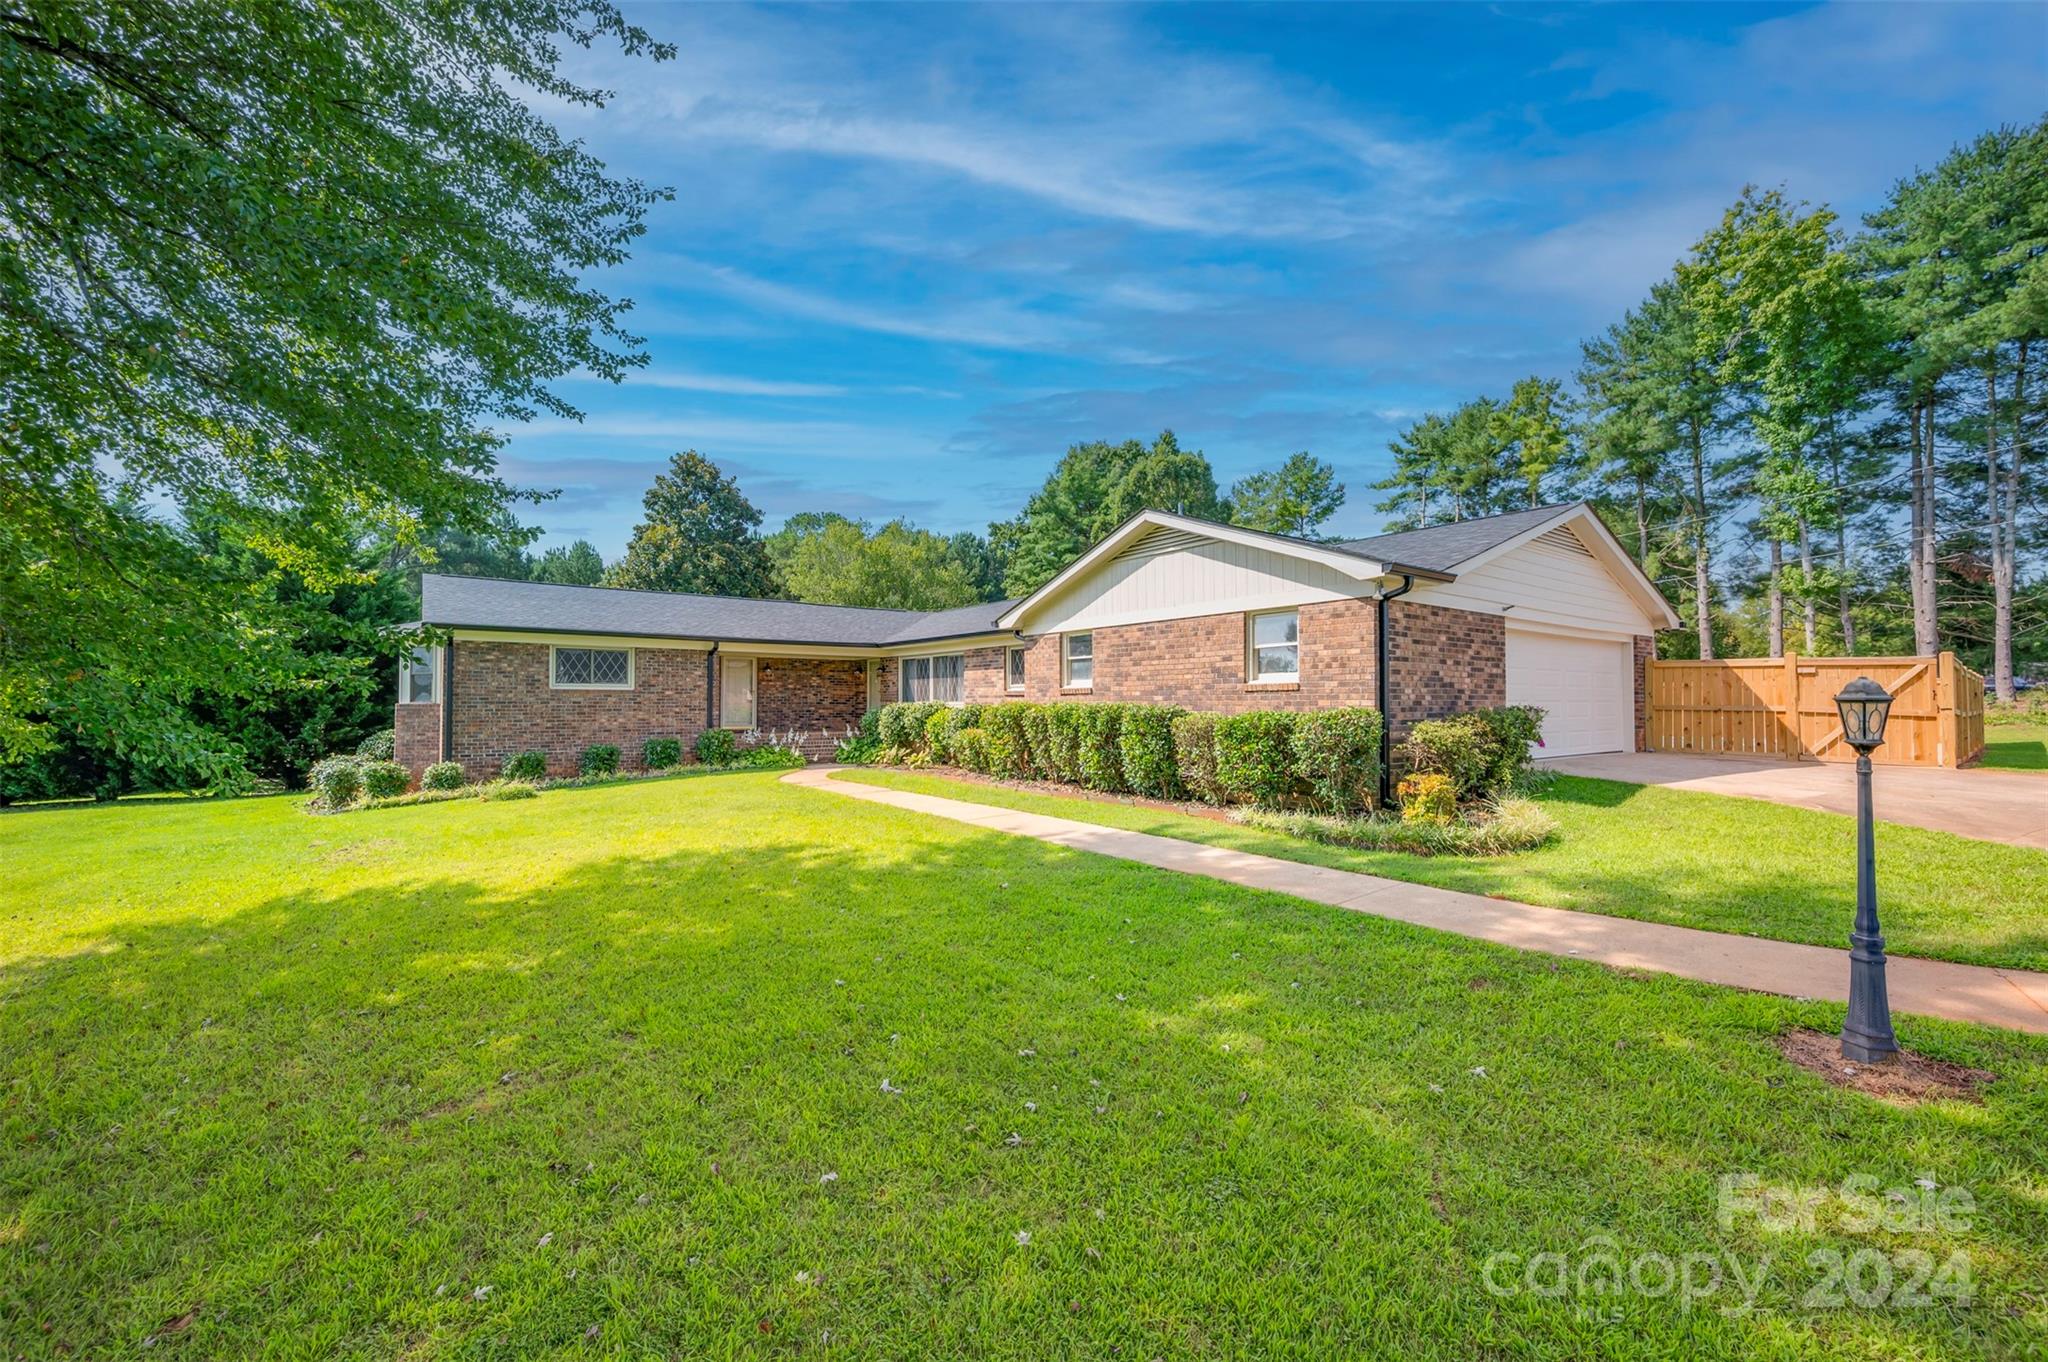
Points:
[1867,1033]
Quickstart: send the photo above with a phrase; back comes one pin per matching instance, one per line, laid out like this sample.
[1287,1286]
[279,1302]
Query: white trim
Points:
[753,689]
[1605,549]
[1345,564]
[1067,681]
[555,649]
[1016,685]
[434,669]
[1252,675]
[1533,626]
[577,640]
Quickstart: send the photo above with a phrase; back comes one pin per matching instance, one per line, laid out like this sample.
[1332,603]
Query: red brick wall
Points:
[818,697]
[1443,661]
[503,704]
[1646,648]
[417,741]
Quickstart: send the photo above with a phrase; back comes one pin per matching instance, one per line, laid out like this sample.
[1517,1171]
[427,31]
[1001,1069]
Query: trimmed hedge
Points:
[1337,756]
[444,775]
[525,766]
[717,747]
[970,750]
[1009,751]
[336,781]
[599,759]
[1146,747]
[903,725]
[379,746]
[1102,754]
[1038,740]
[1255,758]
[658,754]
[1194,756]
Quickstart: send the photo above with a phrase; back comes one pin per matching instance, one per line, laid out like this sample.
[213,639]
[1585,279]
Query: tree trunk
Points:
[1642,525]
[2002,545]
[1927,603]
[1842,566]
[1702,579]
[1777,599]
[1806,602]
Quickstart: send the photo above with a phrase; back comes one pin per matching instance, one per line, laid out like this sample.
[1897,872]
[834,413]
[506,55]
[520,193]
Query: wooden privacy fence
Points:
[1785,707]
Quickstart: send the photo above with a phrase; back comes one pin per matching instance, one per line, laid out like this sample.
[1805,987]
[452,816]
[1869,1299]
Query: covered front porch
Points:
[809,699]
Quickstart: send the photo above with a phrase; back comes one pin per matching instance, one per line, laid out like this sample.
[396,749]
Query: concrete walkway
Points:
[2016,999]
[1995,806]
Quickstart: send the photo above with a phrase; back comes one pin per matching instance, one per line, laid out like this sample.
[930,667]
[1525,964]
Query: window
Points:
[1015,664]
[1077,668]
[592,669]
[1274,646]
[736,692]
[936,678]
[417,673]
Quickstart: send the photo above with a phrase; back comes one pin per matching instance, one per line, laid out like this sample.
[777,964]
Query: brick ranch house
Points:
[1537,607]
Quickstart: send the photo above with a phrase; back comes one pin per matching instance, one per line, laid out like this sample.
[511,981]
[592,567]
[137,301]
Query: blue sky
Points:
[915,252]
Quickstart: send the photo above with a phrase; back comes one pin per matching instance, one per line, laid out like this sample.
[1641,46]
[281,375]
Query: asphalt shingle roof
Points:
[494,603]
[1440,548]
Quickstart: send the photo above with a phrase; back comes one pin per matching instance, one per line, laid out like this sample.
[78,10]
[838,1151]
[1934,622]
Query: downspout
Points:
[1383,684]
[710,692]
[448,700]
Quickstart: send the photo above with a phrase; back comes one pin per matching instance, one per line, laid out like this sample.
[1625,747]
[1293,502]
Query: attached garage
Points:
[1586,687]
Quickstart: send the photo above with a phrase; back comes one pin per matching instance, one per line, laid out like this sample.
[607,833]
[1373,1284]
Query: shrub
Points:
[507,789]
[525,766]
[1194,756]
[1255,758]
[1101,756]
[1428,797]
[1070,727]
[893,756]
[903,725]
[444,775]
[1009,750]
[717,747]
[871,723]
[954,719]
[969,748]
[658,754]
[1146,747]
[858,749]
[336,781]
[1337,755]
[1499,829]
[1040,741]
[935,734]
[1482,752]
[383,779]
[599,759]
[379,746]
[769,757]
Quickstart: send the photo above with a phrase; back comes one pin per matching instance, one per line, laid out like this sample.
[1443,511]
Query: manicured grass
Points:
[568,1075]
[1698,860]
[2016,745]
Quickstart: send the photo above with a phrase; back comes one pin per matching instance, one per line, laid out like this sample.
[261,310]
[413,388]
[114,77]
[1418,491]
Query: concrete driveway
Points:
[1996,806]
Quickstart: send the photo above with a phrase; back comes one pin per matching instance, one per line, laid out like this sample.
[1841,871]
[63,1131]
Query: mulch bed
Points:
[1906,1080]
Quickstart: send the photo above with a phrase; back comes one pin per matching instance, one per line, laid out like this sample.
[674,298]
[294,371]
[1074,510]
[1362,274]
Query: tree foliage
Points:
[1295,498]
[844,562]
[287,267]
[1096,487]
[577,565]
[699,533]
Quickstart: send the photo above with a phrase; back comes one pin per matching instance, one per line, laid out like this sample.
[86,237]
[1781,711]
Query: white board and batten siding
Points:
[1552,582]
[1174,574]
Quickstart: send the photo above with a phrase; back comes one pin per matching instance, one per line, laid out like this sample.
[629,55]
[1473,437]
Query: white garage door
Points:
[1583,684]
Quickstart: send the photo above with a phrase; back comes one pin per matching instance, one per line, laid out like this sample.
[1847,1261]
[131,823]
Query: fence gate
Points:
[1785,707]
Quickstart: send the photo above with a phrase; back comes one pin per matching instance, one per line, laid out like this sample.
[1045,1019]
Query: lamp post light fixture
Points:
[1867,1032]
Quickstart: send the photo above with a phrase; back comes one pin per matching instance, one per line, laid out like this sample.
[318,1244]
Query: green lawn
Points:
[2016,745]
[1698,860]
[570,1075]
